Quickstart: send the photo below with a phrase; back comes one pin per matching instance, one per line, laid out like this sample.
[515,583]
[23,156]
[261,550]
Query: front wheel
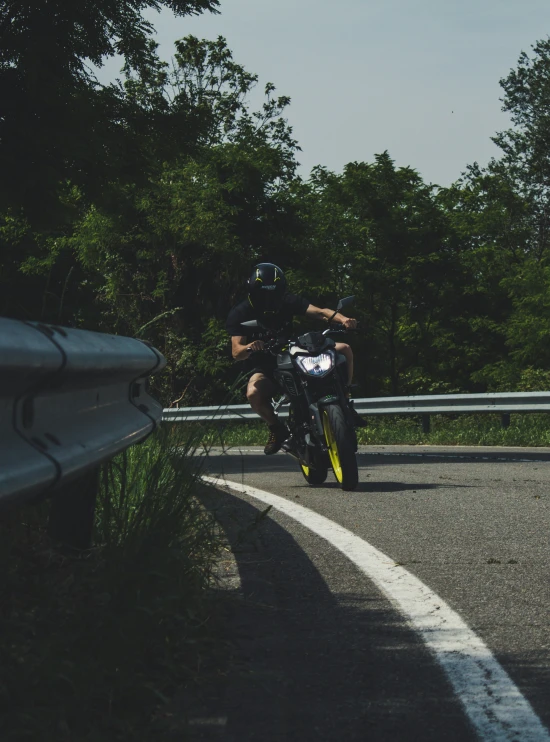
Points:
[341,448]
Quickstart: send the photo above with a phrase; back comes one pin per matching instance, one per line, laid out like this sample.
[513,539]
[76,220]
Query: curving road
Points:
[326,651]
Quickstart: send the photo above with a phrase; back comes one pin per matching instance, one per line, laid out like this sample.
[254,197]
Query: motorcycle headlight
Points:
[316,365]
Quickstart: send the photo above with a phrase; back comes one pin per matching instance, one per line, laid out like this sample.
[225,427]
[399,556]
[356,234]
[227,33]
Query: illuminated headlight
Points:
[316,365]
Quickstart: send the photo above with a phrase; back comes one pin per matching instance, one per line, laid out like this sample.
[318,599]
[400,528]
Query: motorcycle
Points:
[312,377]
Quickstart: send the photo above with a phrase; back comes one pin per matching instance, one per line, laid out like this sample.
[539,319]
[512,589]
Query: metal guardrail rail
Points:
[69,400]
[223,412]
[504,403]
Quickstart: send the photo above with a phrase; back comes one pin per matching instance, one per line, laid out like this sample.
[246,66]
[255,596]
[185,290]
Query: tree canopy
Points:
[56,122]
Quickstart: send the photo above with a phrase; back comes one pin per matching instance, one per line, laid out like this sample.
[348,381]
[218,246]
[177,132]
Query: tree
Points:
[526,147]
[489,221]
[505,210]
[56,122]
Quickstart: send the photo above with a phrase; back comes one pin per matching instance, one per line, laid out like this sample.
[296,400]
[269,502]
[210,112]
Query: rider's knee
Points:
[345,349]
[253,394]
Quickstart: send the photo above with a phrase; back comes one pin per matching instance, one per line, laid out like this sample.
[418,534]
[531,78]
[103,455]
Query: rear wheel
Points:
[341,448]
[314,465]
[315,470]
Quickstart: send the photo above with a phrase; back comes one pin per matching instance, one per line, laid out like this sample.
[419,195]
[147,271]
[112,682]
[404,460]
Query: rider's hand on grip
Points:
[349,324]
[255,346]
[337,327]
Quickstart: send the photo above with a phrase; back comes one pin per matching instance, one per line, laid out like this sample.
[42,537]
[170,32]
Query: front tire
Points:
[341,448]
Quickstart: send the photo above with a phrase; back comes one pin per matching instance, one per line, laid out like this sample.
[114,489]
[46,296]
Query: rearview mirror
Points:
[344,302]
[252,323]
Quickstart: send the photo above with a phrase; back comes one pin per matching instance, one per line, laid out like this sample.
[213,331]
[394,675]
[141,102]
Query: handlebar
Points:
[275,343]
[277,340]
[334,329]
[340,329]
[268,346]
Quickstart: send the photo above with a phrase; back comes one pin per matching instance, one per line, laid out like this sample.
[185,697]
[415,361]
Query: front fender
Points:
[316,420]
[316,412]
[330,400]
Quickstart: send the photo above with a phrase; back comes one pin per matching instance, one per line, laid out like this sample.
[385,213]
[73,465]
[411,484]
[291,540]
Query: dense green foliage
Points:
[139,207]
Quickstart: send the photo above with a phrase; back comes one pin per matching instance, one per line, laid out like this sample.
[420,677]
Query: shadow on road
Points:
[396,486]
[297,661]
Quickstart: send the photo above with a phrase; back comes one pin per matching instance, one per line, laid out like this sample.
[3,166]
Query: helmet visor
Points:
[270,301]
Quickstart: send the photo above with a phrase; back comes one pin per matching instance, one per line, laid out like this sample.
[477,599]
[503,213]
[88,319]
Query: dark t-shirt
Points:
[292,305]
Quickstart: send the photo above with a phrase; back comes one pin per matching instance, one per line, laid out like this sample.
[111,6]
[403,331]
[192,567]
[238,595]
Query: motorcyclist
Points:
[270,302]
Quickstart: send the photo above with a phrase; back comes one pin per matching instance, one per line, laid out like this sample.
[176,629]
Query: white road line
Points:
[492,701]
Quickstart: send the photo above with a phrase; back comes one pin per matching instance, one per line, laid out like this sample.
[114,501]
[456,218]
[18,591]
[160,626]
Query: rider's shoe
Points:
[290,446]
[358,421]
[278,433]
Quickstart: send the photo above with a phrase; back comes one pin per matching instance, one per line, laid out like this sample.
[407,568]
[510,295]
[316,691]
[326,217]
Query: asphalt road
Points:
[321,654]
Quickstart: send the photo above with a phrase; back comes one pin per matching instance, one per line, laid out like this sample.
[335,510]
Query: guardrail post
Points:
[72,512]
[505,420]
[426,424]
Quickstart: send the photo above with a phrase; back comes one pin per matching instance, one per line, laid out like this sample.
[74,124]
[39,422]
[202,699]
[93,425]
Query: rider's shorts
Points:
[266,367]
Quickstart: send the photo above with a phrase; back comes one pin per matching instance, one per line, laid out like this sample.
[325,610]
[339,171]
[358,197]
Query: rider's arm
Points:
[326,314]
[240,348]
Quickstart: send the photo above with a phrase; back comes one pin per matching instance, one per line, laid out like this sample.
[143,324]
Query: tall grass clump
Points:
[94,645]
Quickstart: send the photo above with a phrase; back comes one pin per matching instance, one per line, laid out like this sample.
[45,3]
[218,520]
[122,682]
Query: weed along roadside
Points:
[95,644]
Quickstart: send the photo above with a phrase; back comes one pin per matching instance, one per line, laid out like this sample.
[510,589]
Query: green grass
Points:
[94,646]
[464,430]
[460,430]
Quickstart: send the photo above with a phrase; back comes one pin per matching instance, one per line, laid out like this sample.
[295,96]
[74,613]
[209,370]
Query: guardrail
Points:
[69,400]
[504,403]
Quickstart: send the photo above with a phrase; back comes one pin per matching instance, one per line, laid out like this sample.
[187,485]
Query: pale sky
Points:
[419,78]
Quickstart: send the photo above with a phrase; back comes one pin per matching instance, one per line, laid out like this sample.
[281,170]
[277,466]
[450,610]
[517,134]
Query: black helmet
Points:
[266,288]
